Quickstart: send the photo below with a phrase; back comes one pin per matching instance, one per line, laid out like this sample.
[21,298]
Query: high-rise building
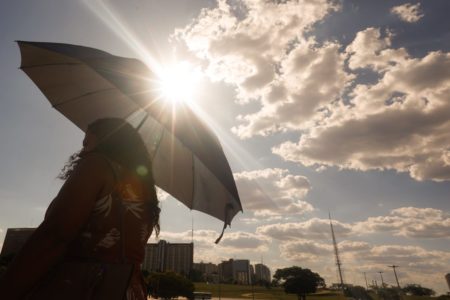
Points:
[236,271]
[15,238]
[206,268]
[226,271]
[164,256]
[209,271]
[262,273]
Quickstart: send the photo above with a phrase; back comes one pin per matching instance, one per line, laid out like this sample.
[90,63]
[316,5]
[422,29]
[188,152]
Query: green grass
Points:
[245,292]
[404,297]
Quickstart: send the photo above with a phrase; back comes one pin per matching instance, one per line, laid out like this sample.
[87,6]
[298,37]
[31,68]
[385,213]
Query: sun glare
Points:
[179,82]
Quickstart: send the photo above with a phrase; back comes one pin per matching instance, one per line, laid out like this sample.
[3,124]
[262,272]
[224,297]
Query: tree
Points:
[417,290]
[196,275]
[263,282]
[296,280]
[169,285]
[357,292]
[389,293]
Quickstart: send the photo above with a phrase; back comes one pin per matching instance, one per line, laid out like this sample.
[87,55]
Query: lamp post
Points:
[220,277]
[382,281]
[396,279]
[365,278]
[395,273]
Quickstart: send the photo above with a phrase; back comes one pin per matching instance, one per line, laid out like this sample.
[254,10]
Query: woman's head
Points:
[120,142]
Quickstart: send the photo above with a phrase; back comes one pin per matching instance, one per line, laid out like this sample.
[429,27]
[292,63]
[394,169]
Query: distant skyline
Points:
[321,106]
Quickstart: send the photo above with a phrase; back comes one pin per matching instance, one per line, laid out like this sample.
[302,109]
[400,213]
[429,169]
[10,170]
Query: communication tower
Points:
[336,254]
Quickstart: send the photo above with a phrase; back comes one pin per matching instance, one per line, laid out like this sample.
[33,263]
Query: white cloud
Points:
[273,192]
[411,222]
[232,243]
[245,241]
[416,263]
[301,250]
[408,12]
[416,259]
[260,48]
[309,244]
[316,229]
[311,76]
[353,246]
[249,221]
[370,49]
[400,122]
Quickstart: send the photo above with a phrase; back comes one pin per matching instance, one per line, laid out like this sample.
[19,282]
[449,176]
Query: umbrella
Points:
[86,84]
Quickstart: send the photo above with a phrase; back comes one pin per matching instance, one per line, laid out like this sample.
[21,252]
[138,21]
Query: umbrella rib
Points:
[159,143]
[46,65]
[142,122]
[81,96]
[119,82]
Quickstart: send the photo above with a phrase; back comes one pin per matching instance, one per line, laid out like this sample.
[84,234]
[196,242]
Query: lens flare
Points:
[142,170]
[179,82]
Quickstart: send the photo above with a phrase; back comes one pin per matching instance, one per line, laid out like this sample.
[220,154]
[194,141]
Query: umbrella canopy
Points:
[86,84]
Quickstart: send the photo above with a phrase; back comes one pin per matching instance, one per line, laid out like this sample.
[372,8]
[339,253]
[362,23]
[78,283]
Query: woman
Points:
[110,177]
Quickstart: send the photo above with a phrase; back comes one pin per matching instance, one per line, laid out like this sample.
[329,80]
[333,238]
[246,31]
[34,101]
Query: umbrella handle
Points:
[228,207]
[221,235]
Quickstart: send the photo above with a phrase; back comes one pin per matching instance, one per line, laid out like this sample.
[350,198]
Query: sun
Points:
[179,82]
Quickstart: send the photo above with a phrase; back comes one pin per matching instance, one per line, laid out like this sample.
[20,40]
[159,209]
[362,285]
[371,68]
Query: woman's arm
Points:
[69,212]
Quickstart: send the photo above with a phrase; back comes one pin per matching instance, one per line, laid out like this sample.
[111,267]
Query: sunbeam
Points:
[103,12]
[175,83]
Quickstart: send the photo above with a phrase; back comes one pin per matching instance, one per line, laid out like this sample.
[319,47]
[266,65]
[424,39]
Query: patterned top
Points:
[116,216]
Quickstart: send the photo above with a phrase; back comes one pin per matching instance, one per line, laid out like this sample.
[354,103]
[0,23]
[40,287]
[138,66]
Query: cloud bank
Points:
[411,222]
[268,52]
[233,244]
[273,192]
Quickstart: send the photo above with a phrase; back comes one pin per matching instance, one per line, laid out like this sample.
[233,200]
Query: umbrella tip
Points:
[223,230]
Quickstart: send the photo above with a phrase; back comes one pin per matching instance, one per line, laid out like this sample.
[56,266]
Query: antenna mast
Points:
[336,253]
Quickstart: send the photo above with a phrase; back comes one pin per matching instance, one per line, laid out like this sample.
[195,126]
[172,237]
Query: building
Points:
[262,273]
[15,238]
[236,271]
[164,257]
[206,268]
[209,271]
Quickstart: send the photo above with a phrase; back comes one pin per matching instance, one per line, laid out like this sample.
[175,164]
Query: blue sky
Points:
[337,106]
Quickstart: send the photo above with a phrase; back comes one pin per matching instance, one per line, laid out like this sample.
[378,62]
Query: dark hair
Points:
[120,142]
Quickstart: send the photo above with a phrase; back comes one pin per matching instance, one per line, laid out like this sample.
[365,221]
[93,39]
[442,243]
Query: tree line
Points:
[294,280]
